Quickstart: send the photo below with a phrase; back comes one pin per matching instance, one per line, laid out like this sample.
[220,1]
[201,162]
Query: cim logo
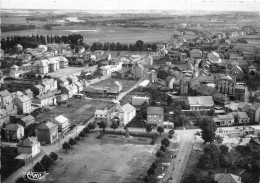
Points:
[36,175]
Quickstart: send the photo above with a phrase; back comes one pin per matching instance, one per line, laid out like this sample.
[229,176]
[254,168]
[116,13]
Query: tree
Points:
[159,154]
[171,132]
[46,161]
[38,167]
[91,126]
[66,146]
[77,138]
[39,77]
[219,139]
[148,128]
[102,125]
[224,160]
[150,171]
[82,134]
[160,129]
[208,127]
[86,130]
[114,126]
[54,156]
[20,180]
[214,152]
[169,100]
[192,178]
[139,45]
[224,149]
[72,141]
[163,148]
[154,165]
[205,162]
[165,142]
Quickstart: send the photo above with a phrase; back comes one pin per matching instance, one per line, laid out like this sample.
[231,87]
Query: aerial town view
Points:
[128,91]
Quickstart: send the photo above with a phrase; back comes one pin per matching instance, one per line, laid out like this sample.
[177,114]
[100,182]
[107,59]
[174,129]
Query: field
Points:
[106,162]
[127,84]
[80,110]
[102,34]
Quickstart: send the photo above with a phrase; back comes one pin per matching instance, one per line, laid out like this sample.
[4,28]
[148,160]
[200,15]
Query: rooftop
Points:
[155,110]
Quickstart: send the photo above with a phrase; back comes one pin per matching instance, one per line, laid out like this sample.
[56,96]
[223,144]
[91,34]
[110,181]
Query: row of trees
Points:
[159,154]
[33,41]
[10,28]
[138,46]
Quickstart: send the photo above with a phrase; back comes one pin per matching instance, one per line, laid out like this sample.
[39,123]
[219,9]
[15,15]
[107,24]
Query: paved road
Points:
[179,163]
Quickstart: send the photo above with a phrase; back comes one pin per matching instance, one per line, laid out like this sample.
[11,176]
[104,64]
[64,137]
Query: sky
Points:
[211,5]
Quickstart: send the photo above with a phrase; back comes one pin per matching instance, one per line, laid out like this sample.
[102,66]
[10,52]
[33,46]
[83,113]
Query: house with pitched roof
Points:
[102,115]
[221,98]
[227,178]
[241,117]
[47,133]
[200,103]
[23,104]
[224,120]
[237,71]
[14,131]
[44,99]
[62,82]
[155,116]
[26,121]
[29,146]
[138,71]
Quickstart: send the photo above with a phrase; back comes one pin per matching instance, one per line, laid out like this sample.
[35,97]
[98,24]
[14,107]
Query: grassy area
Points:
[106,161]
[191,165]
[78,111]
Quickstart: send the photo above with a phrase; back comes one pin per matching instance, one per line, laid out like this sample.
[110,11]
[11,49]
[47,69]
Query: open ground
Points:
[77,110]
[106,161]
[126,84]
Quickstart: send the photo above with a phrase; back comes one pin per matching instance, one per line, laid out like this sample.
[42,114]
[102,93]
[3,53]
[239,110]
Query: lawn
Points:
[79,110]
[106,162]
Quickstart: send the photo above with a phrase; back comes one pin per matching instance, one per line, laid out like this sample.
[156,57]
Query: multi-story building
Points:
[226,85]
[41,67]
[62,123]
[23,104]
[14,131]
[47,133]
[155,116]
[241,93]
[29,146]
